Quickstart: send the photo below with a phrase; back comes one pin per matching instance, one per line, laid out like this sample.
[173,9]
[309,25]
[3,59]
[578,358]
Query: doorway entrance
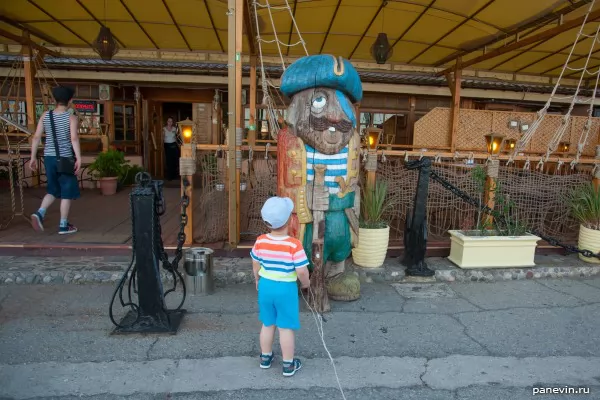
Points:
[177,111]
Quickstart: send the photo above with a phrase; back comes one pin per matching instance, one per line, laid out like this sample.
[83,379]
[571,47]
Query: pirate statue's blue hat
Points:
[322,70]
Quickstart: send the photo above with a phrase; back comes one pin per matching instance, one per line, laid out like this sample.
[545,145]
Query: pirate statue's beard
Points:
[328,132]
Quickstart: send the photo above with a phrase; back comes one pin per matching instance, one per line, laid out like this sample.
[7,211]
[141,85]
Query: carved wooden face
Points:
[318,118]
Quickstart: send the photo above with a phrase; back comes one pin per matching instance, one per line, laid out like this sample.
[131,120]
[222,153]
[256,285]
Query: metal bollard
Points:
[198,265]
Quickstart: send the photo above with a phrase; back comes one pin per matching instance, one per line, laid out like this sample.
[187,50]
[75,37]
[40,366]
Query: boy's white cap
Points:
[276,211]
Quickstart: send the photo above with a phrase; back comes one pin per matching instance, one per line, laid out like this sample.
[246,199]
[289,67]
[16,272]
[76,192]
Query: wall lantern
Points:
[105,44]
[186,129]
[381,50]
[563,147]
[513,124]
[373,136]
[494,142]
[510,144]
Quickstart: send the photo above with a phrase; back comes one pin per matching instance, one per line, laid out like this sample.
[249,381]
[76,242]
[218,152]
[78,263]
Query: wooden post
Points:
[234,57]
[29,70]
[455,90]
[239,114]
[187,152]
[252,130]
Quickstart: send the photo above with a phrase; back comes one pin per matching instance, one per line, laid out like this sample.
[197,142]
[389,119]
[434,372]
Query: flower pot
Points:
[108,186]
[372,247]
[589,239]
[467,250]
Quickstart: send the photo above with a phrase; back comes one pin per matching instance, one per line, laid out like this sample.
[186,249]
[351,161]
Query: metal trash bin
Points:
[198,265]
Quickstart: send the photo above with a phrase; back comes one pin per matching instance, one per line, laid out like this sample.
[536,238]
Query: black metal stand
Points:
[415,231]
[150,315]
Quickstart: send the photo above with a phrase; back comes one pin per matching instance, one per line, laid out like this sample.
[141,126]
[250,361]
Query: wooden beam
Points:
[464,21]
[59,22]
[29,71]
[212,22]
[337,7]
[87,10]
[530,40]
[176,25]
[239,120]
[26,41]
[413,23]
[25,27]
[535,23]
[253,82]
[383,4]
[138,24]
[455,89]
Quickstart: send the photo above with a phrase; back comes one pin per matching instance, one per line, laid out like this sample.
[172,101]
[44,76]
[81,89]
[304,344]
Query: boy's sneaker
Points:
[37,222]
[66,230]
[265,361]
[290,369]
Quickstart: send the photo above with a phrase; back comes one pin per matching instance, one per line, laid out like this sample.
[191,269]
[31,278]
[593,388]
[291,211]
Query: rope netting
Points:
[537,196]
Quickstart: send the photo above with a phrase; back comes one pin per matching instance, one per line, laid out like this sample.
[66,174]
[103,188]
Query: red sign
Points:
[85,105]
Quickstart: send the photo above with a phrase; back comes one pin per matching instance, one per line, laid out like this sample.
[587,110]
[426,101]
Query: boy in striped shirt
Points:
[278,260]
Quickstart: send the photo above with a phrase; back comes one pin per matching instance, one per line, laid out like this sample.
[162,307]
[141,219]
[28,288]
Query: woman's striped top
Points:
[279,257]
[63,134]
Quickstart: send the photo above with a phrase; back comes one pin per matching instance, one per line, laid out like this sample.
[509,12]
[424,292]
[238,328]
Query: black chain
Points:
[502,219]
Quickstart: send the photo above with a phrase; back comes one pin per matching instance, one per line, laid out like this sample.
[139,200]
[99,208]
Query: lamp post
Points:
[187,170]
[372,138]
[495,143]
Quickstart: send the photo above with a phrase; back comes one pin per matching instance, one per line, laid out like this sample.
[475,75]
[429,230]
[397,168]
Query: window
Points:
[125,127]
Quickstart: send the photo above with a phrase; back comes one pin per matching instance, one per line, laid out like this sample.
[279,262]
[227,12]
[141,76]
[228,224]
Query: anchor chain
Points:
[502,219]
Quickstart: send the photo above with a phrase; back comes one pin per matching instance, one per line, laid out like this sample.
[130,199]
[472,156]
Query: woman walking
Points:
[172,152]
[62,159]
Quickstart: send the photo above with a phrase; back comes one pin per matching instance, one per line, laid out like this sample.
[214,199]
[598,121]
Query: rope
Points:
[526,138]
[319,324]
[553,144]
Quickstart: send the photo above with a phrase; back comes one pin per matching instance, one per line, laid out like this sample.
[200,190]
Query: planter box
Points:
[470,251]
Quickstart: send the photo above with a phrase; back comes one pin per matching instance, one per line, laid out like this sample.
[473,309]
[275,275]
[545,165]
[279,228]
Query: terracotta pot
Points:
[108,186]
[589,239]
[372,247]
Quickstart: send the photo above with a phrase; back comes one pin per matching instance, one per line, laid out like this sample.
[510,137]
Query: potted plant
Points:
[498,242]
[584,206]
[373,231]
[107,168]
[128,175]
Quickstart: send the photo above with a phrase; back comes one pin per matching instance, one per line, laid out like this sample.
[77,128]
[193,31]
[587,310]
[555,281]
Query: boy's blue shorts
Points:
[278,304]
[58,185]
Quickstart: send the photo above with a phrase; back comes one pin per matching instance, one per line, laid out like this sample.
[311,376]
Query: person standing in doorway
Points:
[172,152]
[62,144]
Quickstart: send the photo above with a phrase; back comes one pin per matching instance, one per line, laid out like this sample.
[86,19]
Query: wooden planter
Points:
[470,251]
[589,239]
[372,247]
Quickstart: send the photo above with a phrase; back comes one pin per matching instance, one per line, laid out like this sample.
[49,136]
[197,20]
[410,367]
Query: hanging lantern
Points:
[494,142]
[381,49]
[105,44]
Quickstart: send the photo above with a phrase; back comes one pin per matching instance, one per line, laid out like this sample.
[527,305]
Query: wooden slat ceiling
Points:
[424,32]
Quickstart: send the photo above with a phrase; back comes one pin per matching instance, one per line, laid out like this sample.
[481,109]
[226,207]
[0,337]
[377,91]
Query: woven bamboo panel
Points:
[433,129]
[576,131]
[473,125]
[501,124]
[545,132]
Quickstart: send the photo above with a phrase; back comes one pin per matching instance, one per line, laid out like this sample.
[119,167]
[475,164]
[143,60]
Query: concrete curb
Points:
[228,271]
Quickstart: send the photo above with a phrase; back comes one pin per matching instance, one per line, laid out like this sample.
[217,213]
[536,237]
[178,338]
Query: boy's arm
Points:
[255,264]
[301,265]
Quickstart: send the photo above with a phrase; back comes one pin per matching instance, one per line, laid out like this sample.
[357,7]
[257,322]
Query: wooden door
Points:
[154,140]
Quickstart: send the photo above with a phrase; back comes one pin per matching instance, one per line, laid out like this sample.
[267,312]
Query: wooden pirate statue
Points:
[318,163]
